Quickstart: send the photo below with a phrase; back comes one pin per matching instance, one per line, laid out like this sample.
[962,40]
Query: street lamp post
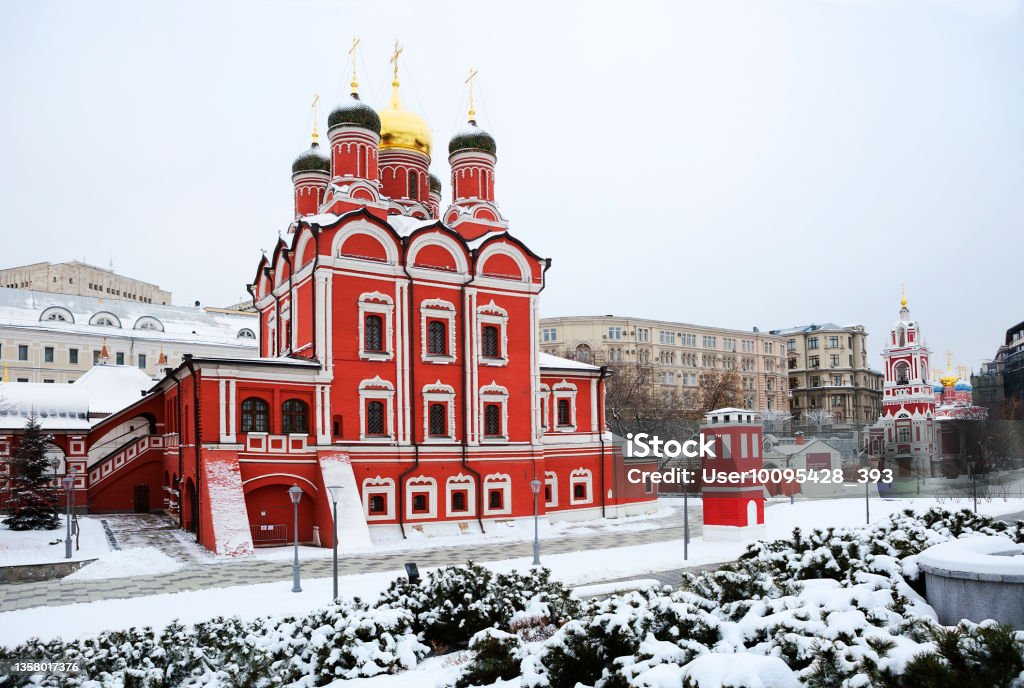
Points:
[295,492]
[68,482]
[335,491]
[535,486]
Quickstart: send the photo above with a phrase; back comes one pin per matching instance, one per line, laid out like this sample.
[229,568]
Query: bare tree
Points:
[775,420]
[634,403]
[719,389]
[817,417]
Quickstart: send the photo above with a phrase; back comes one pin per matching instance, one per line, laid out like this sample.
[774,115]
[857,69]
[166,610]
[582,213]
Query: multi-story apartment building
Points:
[676,353]
[828,371]
[81,279]
[57,337]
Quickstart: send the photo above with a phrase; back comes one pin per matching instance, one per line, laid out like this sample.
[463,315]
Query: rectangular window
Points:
[814,361]
[23,352]
[615,332]
[373,333]
[833,360]
[490,346]
[547,494]
[142,360]
[495,499]
[643,334]
[666,337]
[710,342]
[438,420]
[73,356]
[550,334]
[579,491]
[812,343]
[119,358]
[563,412]
[95,357]
[375,418]
[689,339]
[729,343]
[48,354]
[492,420]
[837,380]
[48,381]
[437,337]
[833,342]
[419,503]
[378,505]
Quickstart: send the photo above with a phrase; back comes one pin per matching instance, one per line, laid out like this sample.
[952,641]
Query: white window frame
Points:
[564,390]
[551,480]
[439,393]
[460,482]
[377,389]
[421,483]
[376,303]
[492,314]
[545,408]
[493,394]
[438,309]
[496,481]
[550,334]
[379,486]
[581,476]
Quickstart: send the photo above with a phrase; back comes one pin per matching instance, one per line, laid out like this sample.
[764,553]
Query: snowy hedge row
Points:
[344,640]
[828,608]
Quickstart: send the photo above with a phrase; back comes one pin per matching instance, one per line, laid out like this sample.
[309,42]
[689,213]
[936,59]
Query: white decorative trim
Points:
[377,389]
[421,483]
[492,314]
[545,408]
[461,482]
[439,392]
[385,239]
[381,486]
[564,390]
[493,394]
[438,309]
[581,476]
[525,274]
[498,481]
[551,480]
[376,303]
[444,241]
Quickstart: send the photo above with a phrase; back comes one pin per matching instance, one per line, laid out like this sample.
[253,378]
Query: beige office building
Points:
[676,353]
[830,380]
[81,279]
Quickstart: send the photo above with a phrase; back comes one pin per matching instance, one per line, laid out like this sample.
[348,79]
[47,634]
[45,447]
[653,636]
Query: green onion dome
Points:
[472,137]
[312,160]
[435,184]
[356,113]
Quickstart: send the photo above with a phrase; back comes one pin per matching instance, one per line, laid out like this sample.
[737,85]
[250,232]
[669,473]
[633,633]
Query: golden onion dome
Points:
[401,128]
[949,379]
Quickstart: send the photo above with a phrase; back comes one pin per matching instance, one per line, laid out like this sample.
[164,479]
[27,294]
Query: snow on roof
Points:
[550,361]
[101,391]
[814,327]
[70,313]
[111,388]
[407,225]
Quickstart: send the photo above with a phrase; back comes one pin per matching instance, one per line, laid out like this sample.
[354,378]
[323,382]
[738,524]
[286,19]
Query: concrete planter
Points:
[31,573]
[975,578]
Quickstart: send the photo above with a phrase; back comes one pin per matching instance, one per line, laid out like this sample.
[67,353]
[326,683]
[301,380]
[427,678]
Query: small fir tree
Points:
[32,500]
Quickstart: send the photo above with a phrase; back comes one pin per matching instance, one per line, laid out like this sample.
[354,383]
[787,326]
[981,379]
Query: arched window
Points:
[255,415]
[373,333]
[489,342]
[437,338]
[295,417]
[438,420]
[375,418]
[583,354]
[902,371]
[492,420]
[414,185]
[246,333]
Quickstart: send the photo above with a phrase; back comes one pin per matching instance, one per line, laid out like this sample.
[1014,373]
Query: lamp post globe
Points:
[335,491]
[535,486]
[295,493]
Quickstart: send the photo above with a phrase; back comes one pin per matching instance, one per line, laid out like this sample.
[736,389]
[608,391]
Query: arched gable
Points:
[365,241]
[439,251]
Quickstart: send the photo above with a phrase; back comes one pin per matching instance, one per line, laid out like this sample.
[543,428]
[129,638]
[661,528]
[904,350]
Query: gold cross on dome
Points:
[352,55]
[316,99]
[469,80]
[394,58]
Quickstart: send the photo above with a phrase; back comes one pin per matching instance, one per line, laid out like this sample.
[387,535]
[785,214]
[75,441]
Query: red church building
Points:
[399,360]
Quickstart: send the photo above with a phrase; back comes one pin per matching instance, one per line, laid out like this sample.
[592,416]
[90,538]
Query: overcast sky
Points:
[724,162]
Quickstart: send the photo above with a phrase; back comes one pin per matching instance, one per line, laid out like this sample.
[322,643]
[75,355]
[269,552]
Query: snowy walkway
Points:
[248,572]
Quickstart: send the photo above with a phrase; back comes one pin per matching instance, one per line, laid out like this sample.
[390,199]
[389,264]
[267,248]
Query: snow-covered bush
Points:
[454,603]
[496,658]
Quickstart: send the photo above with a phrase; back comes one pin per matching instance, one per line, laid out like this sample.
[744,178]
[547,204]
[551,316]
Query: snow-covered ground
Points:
[126,563]
[47,546]
[576,568]
[505,531]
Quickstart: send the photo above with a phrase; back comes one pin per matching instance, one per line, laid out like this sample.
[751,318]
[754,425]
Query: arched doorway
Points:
[190,506]
[271,516]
